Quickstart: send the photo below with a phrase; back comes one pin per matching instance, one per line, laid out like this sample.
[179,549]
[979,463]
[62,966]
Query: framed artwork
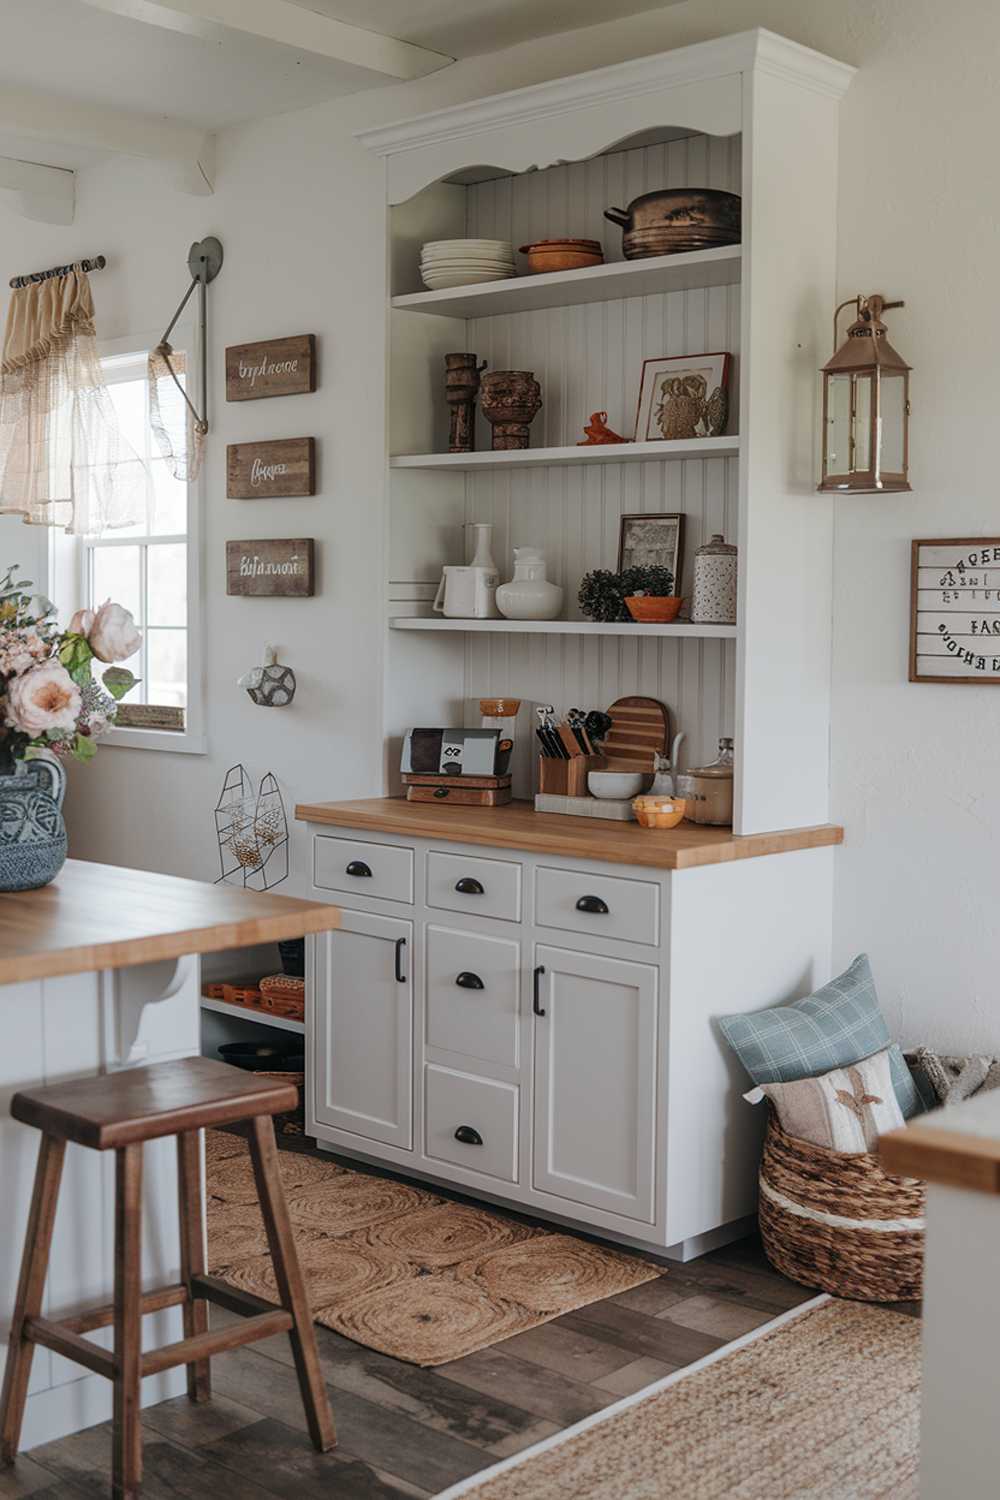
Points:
[955,610]
[653,541]
[683,396]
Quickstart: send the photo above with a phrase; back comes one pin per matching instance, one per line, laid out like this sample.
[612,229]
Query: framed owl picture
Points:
[683,396]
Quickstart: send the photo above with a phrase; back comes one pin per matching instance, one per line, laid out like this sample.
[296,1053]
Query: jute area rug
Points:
[823,1407]
[398,1268]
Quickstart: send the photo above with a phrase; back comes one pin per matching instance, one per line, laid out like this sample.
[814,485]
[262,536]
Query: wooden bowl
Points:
[659,812]
[562,255]
[652,609]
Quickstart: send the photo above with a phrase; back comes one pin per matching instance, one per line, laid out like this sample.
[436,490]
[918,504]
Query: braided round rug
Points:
[398,1268]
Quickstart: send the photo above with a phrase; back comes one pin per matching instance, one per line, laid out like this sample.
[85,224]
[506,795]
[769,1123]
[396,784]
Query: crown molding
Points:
[740,53]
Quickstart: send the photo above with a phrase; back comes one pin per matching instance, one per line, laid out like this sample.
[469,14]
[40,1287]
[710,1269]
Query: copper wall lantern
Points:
[866,407]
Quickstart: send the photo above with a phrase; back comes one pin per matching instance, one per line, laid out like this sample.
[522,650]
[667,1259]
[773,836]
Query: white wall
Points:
[299,208]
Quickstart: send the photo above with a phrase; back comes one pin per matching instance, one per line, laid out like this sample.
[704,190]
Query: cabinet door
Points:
[362,1037]
[595,1081]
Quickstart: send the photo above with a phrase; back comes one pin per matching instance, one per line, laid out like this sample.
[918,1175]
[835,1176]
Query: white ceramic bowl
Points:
[615,786]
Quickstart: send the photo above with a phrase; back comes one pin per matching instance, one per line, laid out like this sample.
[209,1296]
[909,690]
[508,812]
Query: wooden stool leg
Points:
[30,1287]
[291,1287]
[199,1380]
[126,1472]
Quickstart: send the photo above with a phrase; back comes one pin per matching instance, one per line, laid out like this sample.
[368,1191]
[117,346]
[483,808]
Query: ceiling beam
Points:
[44,193]
[51,117]
[289,25]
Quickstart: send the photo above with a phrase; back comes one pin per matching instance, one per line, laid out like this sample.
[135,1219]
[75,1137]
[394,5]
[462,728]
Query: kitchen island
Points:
[956,1151]
[100,971]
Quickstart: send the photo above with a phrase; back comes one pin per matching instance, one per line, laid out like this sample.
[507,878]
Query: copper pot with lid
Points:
[673,220]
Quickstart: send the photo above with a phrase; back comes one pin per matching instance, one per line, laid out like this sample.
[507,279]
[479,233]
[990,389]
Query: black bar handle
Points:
[400,945]
[469,887]
[467,981]
[358,868]
[536,1003]
[594,905]
[468,1135]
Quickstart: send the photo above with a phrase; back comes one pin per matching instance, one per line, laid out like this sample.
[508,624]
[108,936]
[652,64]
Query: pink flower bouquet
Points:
[49,698]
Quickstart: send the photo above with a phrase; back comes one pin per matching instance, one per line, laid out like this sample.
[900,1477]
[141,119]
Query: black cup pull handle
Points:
[467,981]
[594,905]
[400,945]
[536,1003]
[469,887]
[358,868]
[468,1135]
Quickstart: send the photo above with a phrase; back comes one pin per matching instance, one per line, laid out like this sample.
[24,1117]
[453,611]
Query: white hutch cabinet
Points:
[510,1041]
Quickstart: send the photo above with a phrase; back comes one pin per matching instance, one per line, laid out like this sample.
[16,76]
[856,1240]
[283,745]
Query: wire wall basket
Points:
[252,831]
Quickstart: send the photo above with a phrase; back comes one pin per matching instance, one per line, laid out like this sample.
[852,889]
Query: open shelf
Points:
[246,1013]
[604,283]
[545,458]
[566,627]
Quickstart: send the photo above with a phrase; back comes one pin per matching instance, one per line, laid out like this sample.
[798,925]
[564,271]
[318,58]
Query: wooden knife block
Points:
[567,778]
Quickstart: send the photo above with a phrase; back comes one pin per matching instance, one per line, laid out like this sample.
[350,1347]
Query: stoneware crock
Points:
[32,831]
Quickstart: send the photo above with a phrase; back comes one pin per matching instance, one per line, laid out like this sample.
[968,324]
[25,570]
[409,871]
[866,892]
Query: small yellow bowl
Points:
[659,812]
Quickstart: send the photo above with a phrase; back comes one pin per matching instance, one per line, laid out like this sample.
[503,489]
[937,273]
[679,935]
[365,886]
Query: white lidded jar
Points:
[529,595]
[713,600]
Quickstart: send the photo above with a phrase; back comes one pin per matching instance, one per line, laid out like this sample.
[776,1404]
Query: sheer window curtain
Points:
[63,459]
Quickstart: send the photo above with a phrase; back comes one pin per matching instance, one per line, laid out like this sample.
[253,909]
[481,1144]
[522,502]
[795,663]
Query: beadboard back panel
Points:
[587,358]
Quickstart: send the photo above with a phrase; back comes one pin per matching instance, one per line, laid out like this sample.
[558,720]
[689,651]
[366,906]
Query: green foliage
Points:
[84,747]
[119,681]
[76,656]
[601,596]
[658,582]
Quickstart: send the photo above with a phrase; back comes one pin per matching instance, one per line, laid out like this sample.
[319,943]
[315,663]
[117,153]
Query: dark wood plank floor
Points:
[404,1431]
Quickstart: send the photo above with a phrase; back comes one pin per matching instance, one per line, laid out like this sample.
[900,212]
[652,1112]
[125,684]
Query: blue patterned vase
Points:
[32,831]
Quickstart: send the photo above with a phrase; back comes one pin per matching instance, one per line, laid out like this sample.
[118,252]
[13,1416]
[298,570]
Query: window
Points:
[152,569]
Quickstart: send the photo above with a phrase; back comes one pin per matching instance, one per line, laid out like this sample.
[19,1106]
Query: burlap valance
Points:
[63,459]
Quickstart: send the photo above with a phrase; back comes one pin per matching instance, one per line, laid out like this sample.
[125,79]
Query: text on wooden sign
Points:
[284,467]
[272,367]
[271,569]
[955,610]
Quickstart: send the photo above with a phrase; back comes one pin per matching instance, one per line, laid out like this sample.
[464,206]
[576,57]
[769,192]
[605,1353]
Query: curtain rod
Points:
[96,263]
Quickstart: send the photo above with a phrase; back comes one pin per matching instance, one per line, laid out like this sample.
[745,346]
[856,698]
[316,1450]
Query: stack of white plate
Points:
[445,263]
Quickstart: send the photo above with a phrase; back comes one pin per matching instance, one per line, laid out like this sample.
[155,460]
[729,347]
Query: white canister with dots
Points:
[714,599]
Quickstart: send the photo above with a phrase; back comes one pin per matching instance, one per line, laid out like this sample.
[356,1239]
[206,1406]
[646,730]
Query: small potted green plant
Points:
[649,595]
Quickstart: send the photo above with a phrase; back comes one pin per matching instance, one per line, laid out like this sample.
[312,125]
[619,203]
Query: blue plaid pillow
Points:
[838,1025]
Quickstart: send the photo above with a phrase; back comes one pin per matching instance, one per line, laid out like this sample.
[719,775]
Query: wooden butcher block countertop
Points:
[518,826]
[103,917]
[958,1146]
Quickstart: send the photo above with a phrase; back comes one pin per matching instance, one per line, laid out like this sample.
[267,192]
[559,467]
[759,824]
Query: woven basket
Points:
[835,1220]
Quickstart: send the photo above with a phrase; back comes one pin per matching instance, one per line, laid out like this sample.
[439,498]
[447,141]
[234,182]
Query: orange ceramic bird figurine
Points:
[598,431]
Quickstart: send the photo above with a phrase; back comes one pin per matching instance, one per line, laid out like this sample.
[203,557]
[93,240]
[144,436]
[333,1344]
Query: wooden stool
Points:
[118,1113]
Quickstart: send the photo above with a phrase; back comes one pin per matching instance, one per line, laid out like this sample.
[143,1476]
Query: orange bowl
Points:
[562,255]
[659,812]
[652,609]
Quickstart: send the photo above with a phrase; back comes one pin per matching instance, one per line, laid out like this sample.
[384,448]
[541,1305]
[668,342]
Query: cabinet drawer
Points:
[600,905]
[341,865]
[482,887]
[478,1108]
[472,994]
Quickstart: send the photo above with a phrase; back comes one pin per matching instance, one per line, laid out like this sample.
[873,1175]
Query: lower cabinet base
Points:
[639,1237]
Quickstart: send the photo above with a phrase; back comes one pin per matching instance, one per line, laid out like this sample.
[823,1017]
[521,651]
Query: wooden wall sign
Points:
[955,610]
[271,569]
[272,367]
[284,467]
